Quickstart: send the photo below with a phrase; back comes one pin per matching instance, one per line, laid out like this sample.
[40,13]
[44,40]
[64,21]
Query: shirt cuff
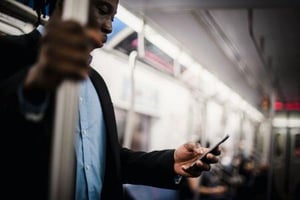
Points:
[33,112]
[177,179]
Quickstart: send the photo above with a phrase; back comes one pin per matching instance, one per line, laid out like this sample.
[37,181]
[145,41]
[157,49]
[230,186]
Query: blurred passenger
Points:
[209,185]
[247,171]
[27,90]
[261,182]
[212,187]
[189,188]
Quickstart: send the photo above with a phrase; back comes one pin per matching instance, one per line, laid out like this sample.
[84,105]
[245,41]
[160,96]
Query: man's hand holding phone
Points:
[196,167]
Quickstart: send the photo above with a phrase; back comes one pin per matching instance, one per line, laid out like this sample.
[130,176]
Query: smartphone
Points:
[193,166]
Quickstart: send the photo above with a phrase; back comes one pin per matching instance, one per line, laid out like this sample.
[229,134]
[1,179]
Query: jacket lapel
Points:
[112,181]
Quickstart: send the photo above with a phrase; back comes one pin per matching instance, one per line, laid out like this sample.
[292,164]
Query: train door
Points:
[294,163]
[279,163]
[286,159]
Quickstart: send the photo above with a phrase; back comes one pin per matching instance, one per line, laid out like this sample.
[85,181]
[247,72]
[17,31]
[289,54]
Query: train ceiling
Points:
[252,46]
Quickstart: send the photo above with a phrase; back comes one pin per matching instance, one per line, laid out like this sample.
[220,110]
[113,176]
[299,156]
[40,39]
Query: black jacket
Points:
[25,145]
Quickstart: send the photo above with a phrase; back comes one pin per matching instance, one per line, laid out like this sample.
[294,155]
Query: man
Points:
[27,104]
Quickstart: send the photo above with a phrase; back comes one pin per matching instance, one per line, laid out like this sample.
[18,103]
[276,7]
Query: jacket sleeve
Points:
[18,52]
[155,168]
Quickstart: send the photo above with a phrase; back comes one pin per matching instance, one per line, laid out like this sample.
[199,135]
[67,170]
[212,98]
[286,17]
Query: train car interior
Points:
[194,70]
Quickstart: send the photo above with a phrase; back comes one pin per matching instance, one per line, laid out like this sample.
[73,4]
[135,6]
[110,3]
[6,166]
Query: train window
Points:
[125,40]
[153,56]
[12,26]
[141,129]
[157,58]
[16,18]
[141,133]
[121,123]
[128,44]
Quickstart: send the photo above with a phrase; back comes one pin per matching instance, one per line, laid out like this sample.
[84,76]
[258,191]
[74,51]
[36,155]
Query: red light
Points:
[278,105]
[292,106]
[289,106]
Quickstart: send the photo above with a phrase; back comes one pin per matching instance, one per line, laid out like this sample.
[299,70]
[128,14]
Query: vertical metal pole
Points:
[63,152]
[271,153]
[130,114]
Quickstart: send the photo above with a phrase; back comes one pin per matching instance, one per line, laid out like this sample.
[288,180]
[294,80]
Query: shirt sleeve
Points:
[32,111]
[177,179]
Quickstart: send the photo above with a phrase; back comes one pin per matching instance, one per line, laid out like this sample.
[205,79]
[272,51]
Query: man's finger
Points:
[211,158]
[197,169]
[217,151]
[191,147]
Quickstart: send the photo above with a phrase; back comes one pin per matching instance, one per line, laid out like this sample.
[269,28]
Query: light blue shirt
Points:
[91,145]
[90,139]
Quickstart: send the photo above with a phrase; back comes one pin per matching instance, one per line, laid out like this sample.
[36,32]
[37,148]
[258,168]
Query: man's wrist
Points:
[32,103]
